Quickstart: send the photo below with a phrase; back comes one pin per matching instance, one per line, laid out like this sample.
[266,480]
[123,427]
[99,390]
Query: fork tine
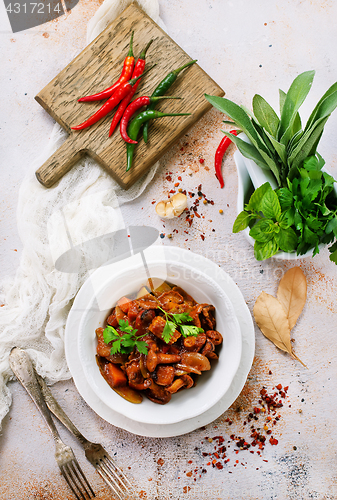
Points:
[105,474]
[111,464]
[78,473]
[66,476]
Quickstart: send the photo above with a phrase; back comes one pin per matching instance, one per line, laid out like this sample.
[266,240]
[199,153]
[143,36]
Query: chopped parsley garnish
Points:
[126,342]
[175,322]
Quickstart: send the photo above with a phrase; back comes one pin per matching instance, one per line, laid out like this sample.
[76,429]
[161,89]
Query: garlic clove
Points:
[172,207]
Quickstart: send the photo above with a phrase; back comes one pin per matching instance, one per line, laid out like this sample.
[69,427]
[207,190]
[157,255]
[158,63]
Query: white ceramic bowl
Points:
[211,386]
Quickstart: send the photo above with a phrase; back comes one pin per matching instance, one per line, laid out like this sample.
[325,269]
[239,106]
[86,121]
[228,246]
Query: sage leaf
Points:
[248,150]
[265,115]
[270,205]
[312,118]
[292,294]
[272,320]
[295,97]
[307,144]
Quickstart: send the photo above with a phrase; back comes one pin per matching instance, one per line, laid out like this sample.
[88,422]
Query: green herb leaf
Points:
[123,343]
[142,346]
[264,251]
[125,327]
[182,318]
[285,198]
[110,334]
[295,97]
[190,330]
[168,331]
[263,230]
[265,115]
[287,239]
[254,204]
[241,222]
[333,252]
[270,205]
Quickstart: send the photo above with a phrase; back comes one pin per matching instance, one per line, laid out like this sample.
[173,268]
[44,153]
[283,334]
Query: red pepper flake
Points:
[279,387]
[153,202]
[172,191]
[179,178]
[169,178]
[273,441]
[202,237]
[176,184]
[196,213]
[201,160]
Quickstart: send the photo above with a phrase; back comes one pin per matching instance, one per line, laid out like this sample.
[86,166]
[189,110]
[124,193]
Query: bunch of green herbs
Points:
[301,214]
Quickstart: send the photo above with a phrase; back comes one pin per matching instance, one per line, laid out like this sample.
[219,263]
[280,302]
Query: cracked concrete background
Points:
[247,48]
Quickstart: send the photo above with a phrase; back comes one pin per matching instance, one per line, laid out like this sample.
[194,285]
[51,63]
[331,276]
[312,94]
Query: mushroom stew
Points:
[157,343]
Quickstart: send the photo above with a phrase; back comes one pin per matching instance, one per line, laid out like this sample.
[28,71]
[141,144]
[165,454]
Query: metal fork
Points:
[94,452]
[22,367]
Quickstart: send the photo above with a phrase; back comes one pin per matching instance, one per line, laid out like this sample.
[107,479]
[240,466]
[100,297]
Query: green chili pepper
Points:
[163,87]
[135,126]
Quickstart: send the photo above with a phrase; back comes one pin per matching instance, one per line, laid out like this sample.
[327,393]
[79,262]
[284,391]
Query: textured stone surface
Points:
[247,48]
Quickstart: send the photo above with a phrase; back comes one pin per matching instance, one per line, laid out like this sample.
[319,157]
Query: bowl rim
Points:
[165,418]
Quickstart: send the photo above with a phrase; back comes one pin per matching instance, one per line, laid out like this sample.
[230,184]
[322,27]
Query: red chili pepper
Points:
[109,105]
[125,76]
[139,69]
[132,108]
[225,142]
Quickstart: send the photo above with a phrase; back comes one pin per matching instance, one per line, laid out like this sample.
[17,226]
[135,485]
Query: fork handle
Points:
[56,409]
[23,368]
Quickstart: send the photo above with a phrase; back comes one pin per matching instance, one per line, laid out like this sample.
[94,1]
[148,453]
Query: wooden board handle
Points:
[59,163]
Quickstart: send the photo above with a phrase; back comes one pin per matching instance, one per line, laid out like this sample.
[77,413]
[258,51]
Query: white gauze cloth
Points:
[37,300]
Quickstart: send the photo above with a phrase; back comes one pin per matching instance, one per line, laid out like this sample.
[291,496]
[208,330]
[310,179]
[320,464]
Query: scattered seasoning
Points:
[216,450]
[162,235]
[201,160]
[220,211]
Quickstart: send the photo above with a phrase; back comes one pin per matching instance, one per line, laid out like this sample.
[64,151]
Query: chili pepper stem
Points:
[130,53]
[143,54]
[176,71]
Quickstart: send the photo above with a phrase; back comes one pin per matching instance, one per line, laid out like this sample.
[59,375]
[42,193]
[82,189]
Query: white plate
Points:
[164,430]
[127,277]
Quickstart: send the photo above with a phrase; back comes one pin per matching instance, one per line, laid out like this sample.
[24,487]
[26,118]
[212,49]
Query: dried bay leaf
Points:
[292,294]
[272,320]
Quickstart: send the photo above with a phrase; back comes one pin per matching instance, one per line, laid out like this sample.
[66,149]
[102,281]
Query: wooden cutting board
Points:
[96,68]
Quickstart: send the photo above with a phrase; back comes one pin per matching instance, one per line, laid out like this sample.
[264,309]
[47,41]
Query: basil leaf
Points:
[264,251]
[270,205]
[254,204]
[263,230]
[285,198]
[242,221]
[287,239]
[265,115]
